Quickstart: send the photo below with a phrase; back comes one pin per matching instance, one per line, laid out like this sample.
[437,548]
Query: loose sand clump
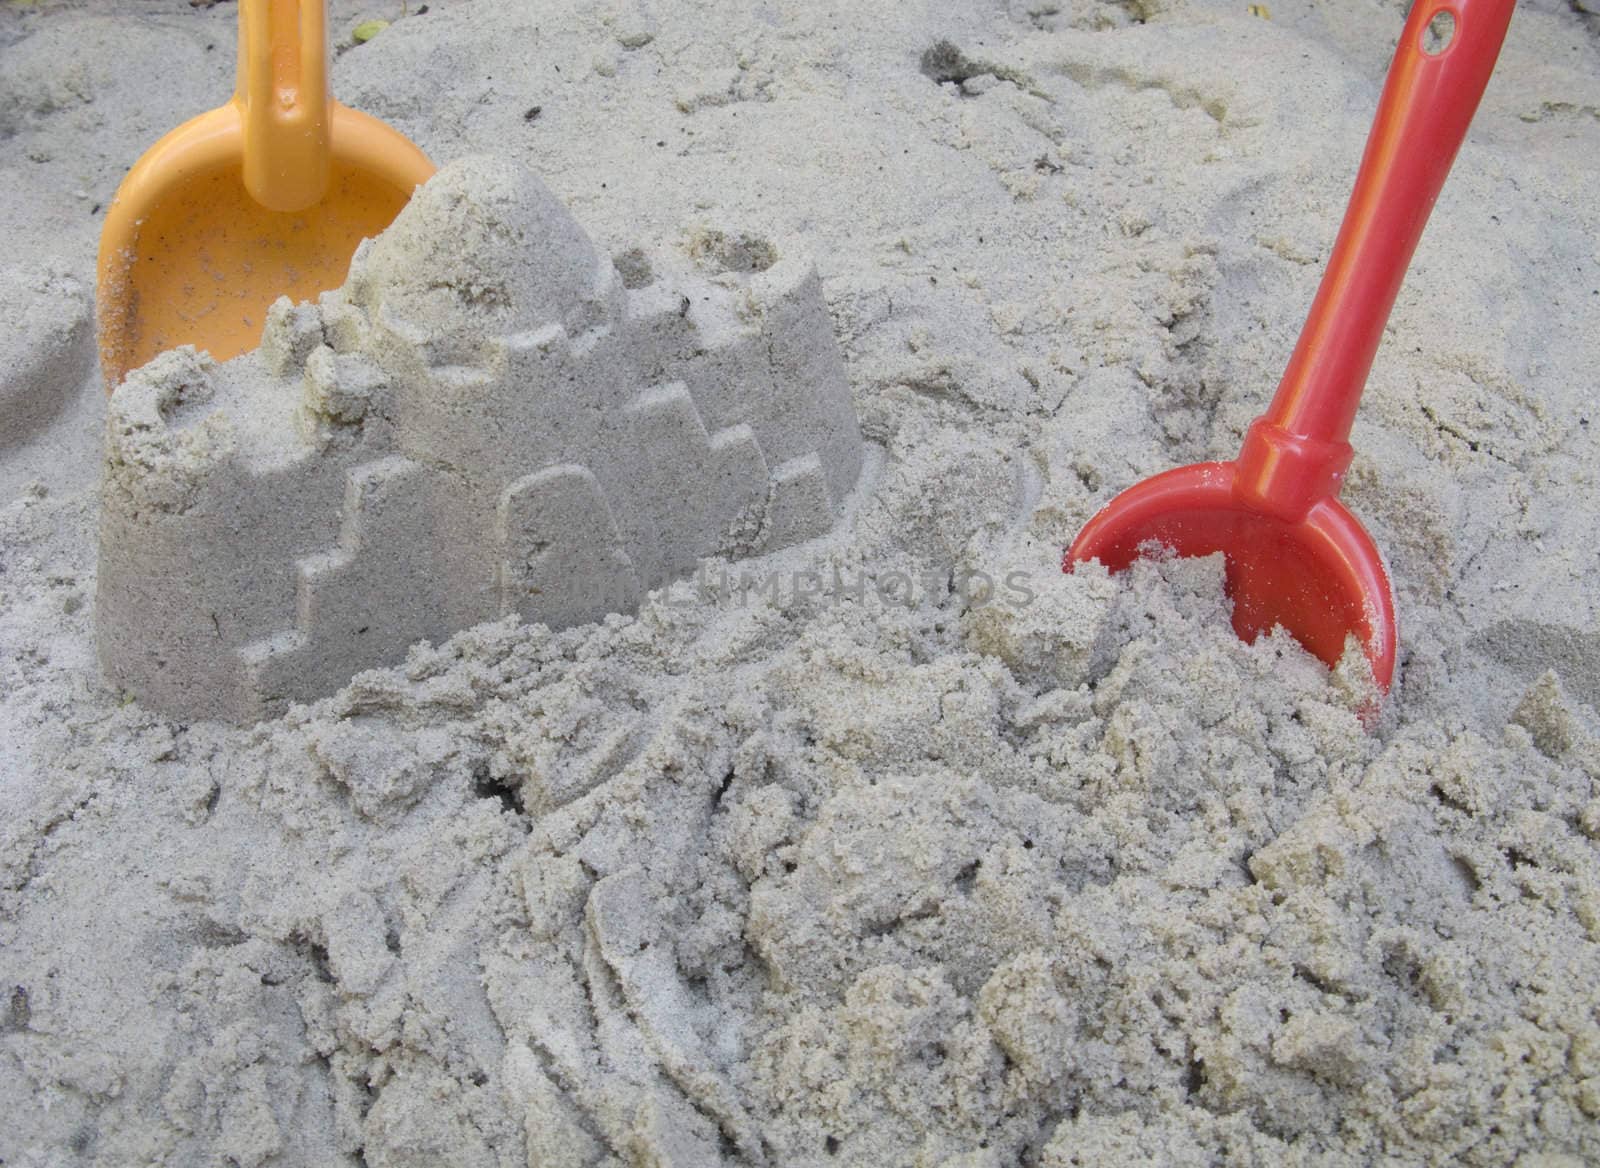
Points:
[841,855]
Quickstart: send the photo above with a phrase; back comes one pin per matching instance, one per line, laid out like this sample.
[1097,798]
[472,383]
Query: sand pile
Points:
[894,847]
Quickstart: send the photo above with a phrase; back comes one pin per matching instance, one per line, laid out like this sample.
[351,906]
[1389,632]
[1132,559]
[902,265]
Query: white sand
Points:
[794,882]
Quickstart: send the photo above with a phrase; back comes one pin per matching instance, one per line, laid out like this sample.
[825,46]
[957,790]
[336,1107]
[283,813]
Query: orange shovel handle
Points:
[1299,451]
[285,111]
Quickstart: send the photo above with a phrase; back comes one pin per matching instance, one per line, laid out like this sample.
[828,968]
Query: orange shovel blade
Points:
[188,257]
[1320,578]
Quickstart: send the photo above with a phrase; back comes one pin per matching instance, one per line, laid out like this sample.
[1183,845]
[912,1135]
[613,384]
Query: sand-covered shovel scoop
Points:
[1295,556]
[265,196]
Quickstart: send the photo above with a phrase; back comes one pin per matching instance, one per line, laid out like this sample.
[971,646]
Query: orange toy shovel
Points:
[1295,556]
[265,196]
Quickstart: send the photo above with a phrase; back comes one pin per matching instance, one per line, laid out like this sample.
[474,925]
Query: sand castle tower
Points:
[488,418]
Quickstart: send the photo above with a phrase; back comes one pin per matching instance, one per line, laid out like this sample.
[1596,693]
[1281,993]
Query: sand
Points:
[848,867]
[490,418]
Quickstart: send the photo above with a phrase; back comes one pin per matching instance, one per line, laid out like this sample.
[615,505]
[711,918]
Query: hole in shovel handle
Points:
[1439,32]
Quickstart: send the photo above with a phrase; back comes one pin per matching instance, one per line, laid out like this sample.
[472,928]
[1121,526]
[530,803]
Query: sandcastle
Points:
[490,417]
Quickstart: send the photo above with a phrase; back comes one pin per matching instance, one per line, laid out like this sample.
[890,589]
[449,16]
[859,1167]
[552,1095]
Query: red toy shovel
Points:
[1295,556]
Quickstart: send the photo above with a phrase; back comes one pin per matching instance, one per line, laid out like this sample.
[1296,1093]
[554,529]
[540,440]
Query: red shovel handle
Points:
[1428,102]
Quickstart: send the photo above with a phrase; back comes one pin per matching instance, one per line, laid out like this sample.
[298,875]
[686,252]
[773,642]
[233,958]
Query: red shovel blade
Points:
[1321,578]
